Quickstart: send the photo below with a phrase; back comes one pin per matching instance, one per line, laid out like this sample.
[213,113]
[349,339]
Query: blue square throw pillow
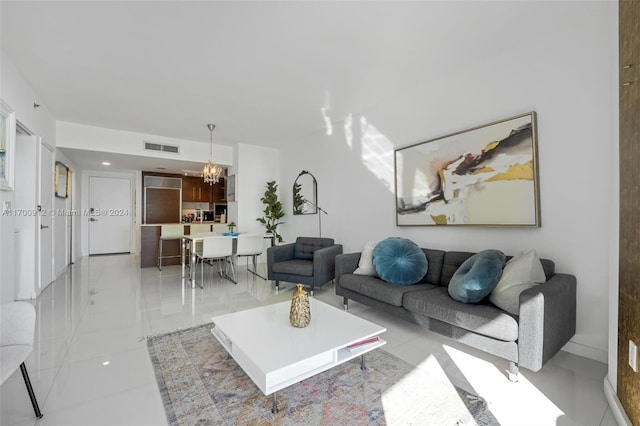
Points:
[476,278]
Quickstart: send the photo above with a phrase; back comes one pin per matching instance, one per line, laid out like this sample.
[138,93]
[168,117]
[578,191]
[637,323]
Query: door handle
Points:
[93,219]
[43,227]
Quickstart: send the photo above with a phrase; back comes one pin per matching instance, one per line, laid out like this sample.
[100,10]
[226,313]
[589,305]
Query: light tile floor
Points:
[90,364]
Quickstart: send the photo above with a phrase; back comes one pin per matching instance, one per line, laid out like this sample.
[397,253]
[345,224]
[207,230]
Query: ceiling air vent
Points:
[153,146]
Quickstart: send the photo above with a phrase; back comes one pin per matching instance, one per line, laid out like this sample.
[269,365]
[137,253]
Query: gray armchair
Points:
[309,261]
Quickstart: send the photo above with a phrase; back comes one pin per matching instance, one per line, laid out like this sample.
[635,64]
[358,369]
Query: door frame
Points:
[45,192]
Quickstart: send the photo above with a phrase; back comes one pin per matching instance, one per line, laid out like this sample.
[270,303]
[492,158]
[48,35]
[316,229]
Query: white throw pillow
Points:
[365,265]
[520,273]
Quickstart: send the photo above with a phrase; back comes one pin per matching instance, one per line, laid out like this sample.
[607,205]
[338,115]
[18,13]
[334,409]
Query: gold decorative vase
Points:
[300,313]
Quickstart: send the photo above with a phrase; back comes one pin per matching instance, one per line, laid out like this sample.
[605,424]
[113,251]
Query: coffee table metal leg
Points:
[362,363]
[274,408]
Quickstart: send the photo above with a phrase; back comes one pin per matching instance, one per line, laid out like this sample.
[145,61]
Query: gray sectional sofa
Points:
[546,320]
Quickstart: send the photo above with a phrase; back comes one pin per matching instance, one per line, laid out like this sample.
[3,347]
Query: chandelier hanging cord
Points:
[211,127]
[211,171]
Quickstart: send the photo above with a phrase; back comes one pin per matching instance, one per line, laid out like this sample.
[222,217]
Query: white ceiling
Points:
[261,71]
[91,160]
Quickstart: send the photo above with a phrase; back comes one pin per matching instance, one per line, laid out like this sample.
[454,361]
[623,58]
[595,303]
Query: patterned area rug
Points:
[202,385]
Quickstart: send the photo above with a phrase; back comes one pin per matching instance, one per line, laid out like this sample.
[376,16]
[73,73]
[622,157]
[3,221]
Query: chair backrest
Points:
[306,246]
[171,231]
[249,244]
[199,228]
[215,247]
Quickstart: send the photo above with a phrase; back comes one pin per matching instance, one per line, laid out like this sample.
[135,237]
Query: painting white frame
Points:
[7,146]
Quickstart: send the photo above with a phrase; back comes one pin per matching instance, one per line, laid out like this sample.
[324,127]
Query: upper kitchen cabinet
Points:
[194,190]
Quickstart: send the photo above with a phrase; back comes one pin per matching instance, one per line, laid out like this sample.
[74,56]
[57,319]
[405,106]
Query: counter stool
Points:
[197,228]
[168,233]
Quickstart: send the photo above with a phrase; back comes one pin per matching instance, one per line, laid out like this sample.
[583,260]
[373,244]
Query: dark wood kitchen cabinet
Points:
[219,191]
[195,190]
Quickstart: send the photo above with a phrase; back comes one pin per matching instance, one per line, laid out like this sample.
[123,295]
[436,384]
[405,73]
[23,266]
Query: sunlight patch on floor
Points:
[425,392]
[503,397]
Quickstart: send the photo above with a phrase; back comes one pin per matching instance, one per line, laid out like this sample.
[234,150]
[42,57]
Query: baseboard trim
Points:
[587,352]
[614,403]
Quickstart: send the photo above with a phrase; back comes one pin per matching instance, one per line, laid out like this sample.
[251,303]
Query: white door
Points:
[110,215]
[45,221]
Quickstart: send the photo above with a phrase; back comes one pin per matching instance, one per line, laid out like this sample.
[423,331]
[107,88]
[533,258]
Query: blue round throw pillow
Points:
[399,261]
[476,278]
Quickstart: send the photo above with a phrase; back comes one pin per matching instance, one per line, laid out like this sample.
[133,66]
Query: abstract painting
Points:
[484,176]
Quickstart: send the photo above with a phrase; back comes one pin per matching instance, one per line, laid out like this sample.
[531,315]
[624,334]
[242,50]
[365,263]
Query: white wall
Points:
[15,91]
[256,166]
[561,67]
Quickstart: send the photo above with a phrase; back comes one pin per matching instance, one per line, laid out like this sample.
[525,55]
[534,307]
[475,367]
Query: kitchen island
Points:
[150,235]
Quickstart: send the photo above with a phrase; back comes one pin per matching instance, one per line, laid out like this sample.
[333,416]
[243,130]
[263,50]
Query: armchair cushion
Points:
[306,246]
[295,267]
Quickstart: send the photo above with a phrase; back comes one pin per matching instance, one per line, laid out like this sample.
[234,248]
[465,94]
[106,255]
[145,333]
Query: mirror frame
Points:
[314,206]
[62,180]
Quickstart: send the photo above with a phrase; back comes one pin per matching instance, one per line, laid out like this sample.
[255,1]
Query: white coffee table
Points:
[275,354]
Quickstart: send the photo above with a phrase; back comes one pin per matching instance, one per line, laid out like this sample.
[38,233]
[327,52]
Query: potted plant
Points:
[231,225]
[273,210]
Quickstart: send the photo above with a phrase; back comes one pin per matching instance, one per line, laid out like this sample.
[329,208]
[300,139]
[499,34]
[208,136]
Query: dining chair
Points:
[168,233]
[219,249]
[17,328]
[250,246]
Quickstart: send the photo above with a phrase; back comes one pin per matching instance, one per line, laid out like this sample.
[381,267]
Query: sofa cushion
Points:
[295,267]
[365,264]
[477,276]
[435,259]
[306,246]
[450,264]
[399,261]
[481,318]
[379,290]
[520,273]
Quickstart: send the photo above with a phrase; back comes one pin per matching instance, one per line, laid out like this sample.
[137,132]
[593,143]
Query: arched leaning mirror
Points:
[305,196]
[61,180]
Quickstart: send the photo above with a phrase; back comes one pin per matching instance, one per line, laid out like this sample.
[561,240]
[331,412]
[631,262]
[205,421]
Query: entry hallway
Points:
[90,364]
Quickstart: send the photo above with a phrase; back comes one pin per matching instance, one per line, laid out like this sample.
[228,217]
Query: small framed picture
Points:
[231,188]
[7,146]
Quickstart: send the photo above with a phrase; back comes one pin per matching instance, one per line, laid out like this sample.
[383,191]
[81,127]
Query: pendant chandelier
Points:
[212,171]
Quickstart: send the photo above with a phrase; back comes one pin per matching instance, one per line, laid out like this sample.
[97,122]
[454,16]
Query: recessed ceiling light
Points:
[106,163]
